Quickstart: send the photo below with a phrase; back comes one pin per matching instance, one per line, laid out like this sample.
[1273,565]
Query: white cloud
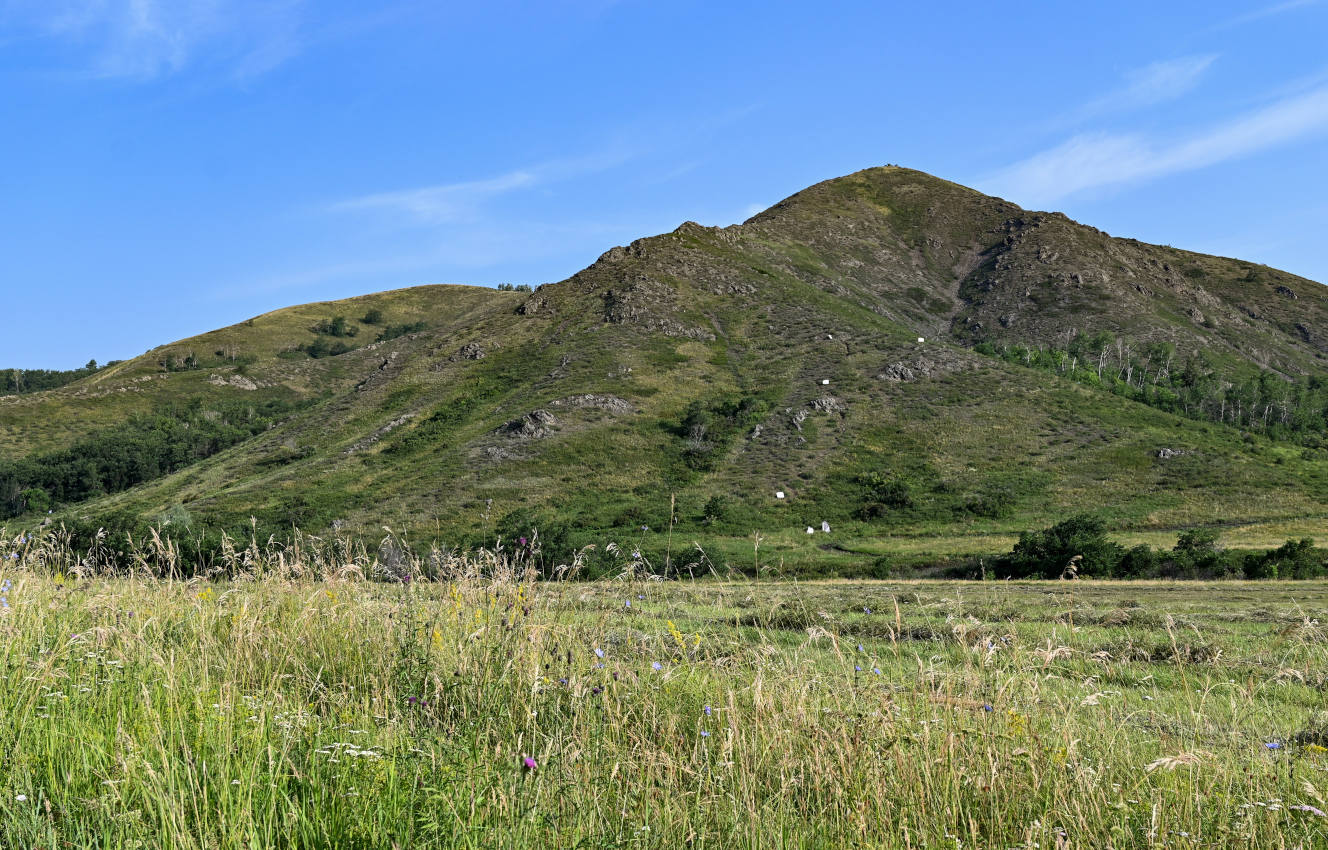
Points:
[1151,85]
[145,39]
[1261,13]
[1094,161]
[452,202]
[438,204]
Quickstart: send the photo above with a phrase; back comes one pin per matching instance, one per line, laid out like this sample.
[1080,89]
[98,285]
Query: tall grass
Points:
[272,710]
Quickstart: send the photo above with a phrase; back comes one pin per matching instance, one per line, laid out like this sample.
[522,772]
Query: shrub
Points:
[1047,553]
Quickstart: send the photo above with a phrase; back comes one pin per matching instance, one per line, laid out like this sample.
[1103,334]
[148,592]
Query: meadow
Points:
[458,704]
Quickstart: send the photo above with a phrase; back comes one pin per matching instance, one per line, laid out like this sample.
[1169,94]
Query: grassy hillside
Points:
[682,381]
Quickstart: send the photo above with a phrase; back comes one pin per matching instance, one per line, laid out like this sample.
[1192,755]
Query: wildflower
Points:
[876,670]
[1273,745]
[1317,812]
[706,709]
[562,681]
[405,579]
[705,734]
[596,691]
[857,669]
[987,707]
[599,653]
[640,596]
[528,763]
[866,610]
[861,649]
[629,603]
[656,666]
[22,798]
[412,700]
[521,541]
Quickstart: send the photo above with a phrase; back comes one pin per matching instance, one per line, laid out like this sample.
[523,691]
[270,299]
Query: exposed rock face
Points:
[380,374]
[534,425]
[1286,292]
[379,433]
[897,373]
[470,351]
[237,381]
[611,403]
[1167,454]
[829,404]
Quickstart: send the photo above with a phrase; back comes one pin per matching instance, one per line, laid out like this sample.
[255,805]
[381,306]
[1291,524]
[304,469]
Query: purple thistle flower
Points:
[528,763]
[521,541]
[596,691]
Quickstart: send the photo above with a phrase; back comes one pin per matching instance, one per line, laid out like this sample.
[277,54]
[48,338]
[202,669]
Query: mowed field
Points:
[500,713]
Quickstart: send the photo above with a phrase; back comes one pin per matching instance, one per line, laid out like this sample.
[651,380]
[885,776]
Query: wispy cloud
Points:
[145,39]
[438,204]
[1094,161]
[1261,13]
[452,202]
[1148,86]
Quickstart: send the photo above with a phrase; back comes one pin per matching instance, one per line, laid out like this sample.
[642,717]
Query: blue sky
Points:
[171,166]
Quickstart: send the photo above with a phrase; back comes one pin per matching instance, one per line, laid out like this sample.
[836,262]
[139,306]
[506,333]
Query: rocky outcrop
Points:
[534,425]
[238,381]
[592,401]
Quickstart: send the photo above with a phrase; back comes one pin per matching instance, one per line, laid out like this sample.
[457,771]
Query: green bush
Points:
[1047,553]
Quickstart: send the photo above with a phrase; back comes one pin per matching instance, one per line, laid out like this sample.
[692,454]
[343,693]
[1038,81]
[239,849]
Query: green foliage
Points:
[19,381]
[716,510]
[708,427]
[1049,553]
[124,456]
[337,326]
[1150,374]
[323,347]
[882,494]
[394,331]
[373,317]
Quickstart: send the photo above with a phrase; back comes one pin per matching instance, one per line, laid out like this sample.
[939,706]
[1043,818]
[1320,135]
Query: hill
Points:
[926,368]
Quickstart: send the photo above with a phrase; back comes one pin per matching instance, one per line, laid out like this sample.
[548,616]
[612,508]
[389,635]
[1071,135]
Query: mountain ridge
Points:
[719,365]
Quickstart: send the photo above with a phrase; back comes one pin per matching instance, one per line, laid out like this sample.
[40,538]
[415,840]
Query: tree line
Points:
[146,447]
[1155,375]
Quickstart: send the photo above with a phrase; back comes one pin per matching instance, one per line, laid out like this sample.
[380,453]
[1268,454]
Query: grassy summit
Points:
[679,382]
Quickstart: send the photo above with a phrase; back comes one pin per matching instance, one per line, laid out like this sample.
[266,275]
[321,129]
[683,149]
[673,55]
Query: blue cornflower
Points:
[656,666]
[1274,745]
[706,709]
[860,648]
[705,734]
[599,653]
[857,669]
[876,670]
